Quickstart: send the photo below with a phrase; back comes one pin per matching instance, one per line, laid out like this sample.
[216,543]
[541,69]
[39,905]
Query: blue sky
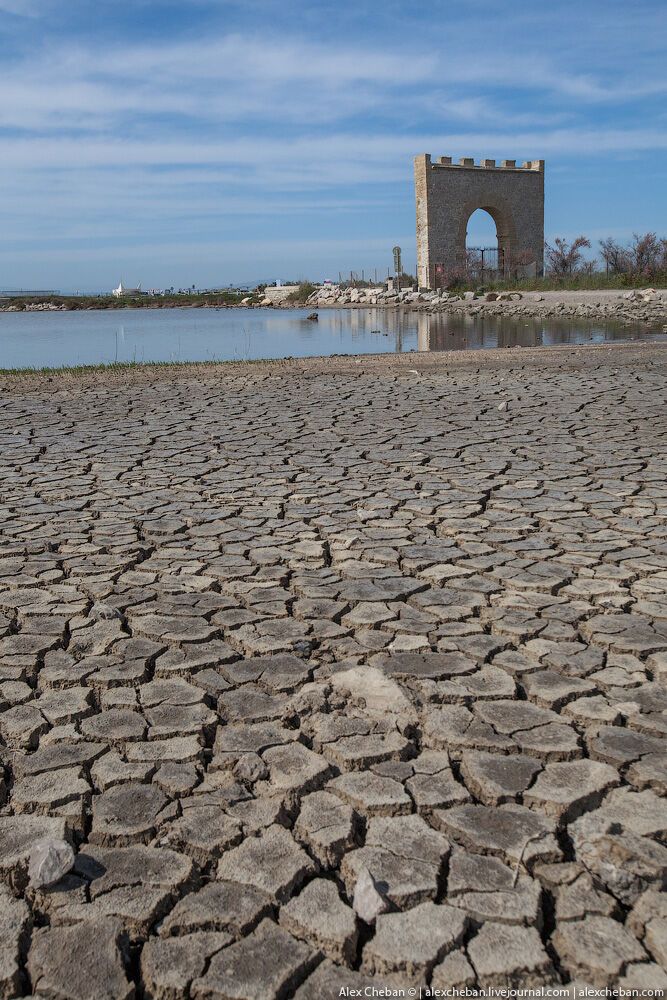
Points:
[209,142]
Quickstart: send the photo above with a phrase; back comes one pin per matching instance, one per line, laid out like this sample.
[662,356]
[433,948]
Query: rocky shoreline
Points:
[646,306]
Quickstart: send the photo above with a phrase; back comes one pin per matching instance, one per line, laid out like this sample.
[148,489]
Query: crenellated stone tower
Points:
[447,194]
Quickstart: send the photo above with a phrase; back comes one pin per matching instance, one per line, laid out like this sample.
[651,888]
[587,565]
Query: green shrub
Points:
[302,293]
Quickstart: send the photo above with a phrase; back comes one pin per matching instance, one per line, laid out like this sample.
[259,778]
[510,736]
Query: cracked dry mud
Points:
[270,635]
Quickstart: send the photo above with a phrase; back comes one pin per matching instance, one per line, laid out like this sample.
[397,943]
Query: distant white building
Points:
[124,290]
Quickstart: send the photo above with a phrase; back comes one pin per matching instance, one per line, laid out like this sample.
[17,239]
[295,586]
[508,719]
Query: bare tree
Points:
[615,257]
[518,265]
[648,254]
[566,258]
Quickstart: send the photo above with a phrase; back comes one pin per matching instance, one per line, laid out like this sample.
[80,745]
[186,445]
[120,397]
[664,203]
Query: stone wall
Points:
[278,294]
[447,194]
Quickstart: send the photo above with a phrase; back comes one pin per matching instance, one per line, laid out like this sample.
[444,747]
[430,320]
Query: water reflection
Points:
[381,330]
[454,332]
[461,333]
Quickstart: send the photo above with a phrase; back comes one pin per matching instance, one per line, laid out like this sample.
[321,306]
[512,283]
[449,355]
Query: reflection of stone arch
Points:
[448,194]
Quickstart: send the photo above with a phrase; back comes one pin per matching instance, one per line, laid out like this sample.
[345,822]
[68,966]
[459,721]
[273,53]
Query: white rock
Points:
[368,902]
[250,768]
[381,696]
[50,860]
[104,612]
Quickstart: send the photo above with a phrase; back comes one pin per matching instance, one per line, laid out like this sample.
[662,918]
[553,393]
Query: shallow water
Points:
[39,340]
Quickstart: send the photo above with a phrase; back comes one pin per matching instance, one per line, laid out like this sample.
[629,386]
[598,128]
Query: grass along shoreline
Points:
[112,366]
[78,303]
[428,358]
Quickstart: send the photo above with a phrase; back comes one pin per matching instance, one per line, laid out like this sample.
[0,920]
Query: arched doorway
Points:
[494,214]
[483,254]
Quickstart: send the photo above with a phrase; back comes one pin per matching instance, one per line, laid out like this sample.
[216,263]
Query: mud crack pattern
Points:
[336,675]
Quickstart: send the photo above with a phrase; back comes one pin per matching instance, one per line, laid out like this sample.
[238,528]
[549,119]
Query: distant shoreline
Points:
[103,303]
[644,307]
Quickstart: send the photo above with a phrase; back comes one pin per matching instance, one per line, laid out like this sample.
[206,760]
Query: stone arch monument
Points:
[447,194]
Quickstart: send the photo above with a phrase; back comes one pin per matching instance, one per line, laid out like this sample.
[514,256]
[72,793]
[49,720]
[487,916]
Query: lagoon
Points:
[65,339]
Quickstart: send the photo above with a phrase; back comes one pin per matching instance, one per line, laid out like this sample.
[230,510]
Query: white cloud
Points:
[316,159]
[237,79]
[228,79]
[181,138]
